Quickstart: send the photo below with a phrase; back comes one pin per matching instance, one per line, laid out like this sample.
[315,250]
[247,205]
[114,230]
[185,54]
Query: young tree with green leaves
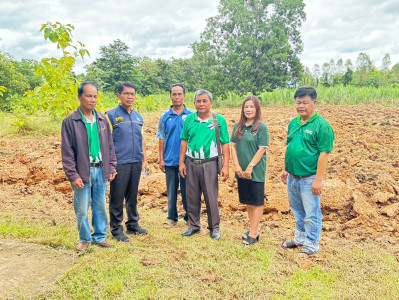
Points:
[58,93]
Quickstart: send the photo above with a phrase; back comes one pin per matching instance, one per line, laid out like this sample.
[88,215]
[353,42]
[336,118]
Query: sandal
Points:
[244,235]
[169,224]
[290,244]
[306,251]
[250,240]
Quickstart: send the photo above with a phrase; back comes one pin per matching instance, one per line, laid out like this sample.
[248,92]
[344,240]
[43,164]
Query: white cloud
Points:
[162,29]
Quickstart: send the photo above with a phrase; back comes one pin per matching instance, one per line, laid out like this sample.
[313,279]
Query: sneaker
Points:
[103,244]
[215,234]
[121,238]
[136,230]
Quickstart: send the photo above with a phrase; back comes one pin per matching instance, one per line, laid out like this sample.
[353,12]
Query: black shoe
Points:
[136,230]
[121,238]
[215,234]
[190,232]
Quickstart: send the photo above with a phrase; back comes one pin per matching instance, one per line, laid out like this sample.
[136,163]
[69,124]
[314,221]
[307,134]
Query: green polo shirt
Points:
[93,138]
[247,147]
[201,136]
[305,142]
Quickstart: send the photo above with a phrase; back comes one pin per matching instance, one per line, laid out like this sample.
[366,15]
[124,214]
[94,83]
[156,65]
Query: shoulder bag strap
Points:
[215,124]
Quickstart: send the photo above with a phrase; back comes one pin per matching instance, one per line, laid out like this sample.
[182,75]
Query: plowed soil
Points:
[359,200]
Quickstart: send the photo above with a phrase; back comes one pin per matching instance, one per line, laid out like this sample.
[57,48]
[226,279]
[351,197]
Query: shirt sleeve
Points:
[161,129]
[232,139]
[263,135]
[326,138]
[224,134]
[184,131]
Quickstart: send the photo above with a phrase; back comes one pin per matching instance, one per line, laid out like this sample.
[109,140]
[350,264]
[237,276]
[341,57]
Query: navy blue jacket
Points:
[127,136]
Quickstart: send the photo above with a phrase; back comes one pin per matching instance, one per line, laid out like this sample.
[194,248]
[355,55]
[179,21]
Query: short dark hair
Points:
[203,92]
[122,85]
[81,87]
[306,91]
[177,84]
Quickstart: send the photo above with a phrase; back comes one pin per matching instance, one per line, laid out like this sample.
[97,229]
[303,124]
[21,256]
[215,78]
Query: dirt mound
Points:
[360,194]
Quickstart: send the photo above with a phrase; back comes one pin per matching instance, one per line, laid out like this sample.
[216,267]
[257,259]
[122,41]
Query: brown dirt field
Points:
[359,201]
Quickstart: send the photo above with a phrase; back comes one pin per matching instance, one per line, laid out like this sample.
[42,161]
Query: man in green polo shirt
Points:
[198,163]
[309,143]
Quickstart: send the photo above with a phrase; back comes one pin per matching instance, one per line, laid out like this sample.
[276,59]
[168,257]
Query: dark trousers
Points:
[202,179]
[124,186]
[172,184]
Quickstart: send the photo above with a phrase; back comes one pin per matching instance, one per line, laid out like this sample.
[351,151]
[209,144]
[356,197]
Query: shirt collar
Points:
[298,119]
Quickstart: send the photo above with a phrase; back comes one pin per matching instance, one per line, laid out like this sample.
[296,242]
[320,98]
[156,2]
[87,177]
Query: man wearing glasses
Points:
[169,128]
[130,150]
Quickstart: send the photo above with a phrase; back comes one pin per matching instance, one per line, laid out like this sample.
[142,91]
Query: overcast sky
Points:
[166,28]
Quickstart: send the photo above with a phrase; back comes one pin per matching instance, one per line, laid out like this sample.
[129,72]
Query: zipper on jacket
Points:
[131,124]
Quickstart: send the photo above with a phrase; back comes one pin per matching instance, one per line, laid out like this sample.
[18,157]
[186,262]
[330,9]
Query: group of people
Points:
[97,148]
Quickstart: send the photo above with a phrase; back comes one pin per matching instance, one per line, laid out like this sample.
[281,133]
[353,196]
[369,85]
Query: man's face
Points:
[88,100]
[127,97]
[305,107]
[177,96]
[202,103]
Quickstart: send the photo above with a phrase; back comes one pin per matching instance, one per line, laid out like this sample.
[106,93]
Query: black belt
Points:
[300,177]
[96,164]
[198,161]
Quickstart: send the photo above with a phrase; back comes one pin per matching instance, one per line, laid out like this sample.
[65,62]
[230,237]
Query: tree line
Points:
[250,46]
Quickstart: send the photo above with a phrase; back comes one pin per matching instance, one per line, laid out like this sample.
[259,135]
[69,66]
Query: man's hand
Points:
[78,183]
[112,176]
[225,173]
[144,165]
[162,165]
[182,170]
[317,186]
[284,176]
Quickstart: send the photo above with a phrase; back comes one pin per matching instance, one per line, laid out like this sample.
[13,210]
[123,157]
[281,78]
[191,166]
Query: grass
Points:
[164,265]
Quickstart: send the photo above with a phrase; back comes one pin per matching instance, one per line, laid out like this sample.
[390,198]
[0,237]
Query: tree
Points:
[363,68]
[386,63]
[57,95]
[114,66]
[251,45]
[13,81]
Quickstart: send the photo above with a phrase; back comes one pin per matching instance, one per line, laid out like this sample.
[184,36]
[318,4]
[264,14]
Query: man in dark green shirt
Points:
[309,143]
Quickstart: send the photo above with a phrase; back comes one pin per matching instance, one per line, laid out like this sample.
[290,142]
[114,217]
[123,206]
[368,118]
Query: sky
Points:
[166,28]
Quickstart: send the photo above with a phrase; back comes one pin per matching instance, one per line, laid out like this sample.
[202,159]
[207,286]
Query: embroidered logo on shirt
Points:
[119,119]
[254,133]
[309,131]
[184,117]
[210,127]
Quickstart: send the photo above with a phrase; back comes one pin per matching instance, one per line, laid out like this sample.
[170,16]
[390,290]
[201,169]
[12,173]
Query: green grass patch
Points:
[12,227]
[164,265]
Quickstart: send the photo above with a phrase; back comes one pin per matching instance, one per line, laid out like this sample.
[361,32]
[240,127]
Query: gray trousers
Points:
[202,179]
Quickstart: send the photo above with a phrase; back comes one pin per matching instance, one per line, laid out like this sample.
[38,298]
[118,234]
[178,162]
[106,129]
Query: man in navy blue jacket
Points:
[130,150]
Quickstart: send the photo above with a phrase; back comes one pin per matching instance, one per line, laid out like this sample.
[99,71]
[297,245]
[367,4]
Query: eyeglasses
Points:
[128,94]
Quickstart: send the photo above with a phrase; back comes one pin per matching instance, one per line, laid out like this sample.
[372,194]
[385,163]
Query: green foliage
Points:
[57,94]
[11,79]
[115,65]
[251,45]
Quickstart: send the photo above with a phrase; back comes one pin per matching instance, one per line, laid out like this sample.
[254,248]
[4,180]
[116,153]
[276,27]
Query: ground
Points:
[359,201]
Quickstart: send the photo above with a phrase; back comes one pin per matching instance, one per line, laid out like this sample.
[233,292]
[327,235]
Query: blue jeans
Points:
[94,191]
[306,208]
[172,184]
